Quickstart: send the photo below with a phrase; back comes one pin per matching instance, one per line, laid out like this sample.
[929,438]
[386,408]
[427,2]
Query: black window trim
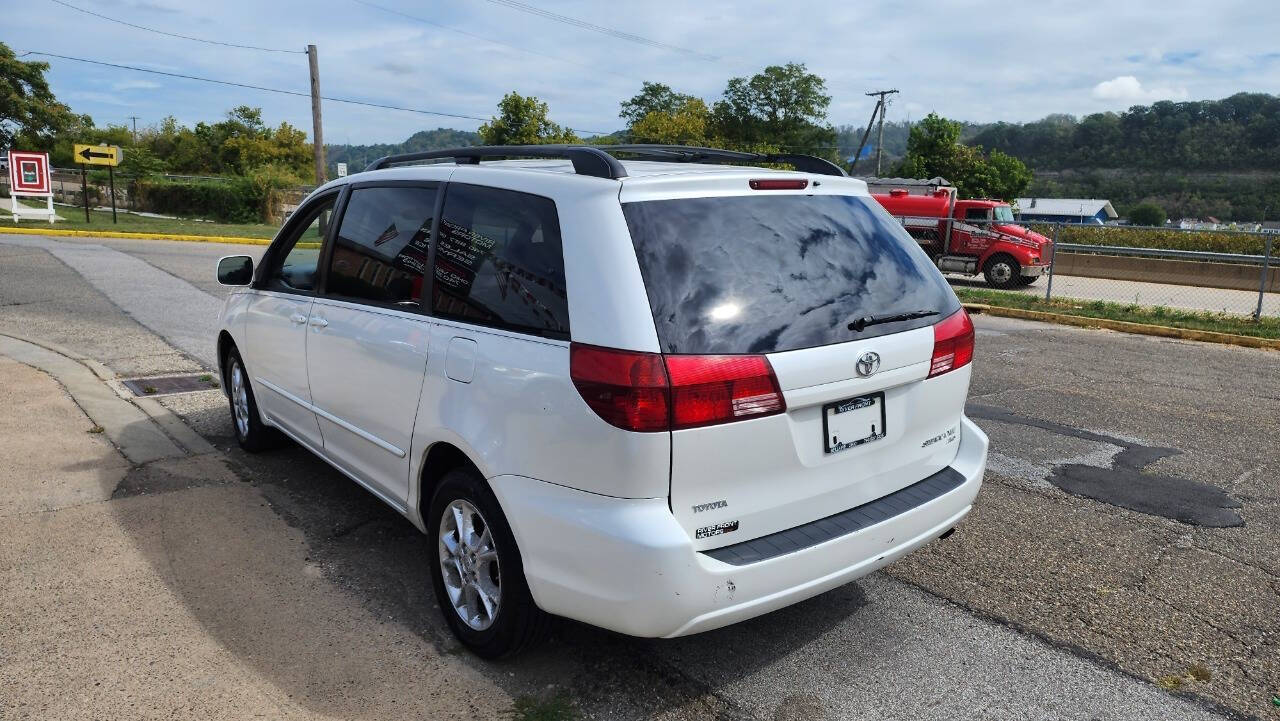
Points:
[543,333]
[269,262]
[322,273]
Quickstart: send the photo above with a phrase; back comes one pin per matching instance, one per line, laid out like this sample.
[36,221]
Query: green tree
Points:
[1147,214]
[934,149]
[783,106]
[653,98]
[685,124]
[523,121]
[28,109]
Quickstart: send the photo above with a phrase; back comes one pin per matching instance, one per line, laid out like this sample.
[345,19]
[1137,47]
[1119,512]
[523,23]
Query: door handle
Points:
[319,322]
[298,318]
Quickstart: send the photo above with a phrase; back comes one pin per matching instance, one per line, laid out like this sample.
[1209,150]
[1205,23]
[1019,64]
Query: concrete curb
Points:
[1126,327]
[238,240]
[143,432]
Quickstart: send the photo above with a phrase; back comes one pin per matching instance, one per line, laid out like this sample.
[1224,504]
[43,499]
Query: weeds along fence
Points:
[1230,272]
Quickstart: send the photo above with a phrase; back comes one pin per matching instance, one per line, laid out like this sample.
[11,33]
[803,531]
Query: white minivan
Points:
[636,386]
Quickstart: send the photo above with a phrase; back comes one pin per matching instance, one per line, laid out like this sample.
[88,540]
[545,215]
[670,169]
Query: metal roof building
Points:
[1065,210]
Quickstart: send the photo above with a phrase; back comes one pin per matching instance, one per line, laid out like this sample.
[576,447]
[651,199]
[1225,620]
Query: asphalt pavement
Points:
[1047,604]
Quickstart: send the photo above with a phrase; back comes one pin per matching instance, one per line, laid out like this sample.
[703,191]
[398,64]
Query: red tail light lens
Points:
[710,389]
[650,392]
[778,184]
[627,389]
[952,343]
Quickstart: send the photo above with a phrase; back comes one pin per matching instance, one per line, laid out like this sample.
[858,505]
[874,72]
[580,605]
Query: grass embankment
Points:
[99,220]
[1164,238]
[1267,327]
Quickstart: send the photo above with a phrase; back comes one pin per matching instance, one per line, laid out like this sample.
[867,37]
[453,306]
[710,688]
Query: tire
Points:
[1002,271]
[250,432]
[480,583]
[1025,280]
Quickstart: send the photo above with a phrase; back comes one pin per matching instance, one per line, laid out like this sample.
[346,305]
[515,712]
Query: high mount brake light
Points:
[778,184]
[952,343]
[651,392]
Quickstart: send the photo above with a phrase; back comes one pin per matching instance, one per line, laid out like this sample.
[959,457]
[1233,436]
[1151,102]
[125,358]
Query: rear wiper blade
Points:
[867,320]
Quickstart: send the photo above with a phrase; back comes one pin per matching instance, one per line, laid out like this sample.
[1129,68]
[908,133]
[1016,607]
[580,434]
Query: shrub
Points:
[244,199]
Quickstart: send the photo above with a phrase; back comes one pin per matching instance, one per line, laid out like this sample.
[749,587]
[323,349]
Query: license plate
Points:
[852,422]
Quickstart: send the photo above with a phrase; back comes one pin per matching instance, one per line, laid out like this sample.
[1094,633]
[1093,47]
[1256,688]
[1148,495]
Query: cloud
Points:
[136,85]
[1127,88]
[397,68]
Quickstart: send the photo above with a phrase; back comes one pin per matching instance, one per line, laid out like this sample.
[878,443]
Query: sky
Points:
[969,60]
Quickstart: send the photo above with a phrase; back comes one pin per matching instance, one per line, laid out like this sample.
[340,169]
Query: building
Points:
[1065,210]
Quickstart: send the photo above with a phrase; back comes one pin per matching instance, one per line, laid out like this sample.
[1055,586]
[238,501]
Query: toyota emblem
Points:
[868,363]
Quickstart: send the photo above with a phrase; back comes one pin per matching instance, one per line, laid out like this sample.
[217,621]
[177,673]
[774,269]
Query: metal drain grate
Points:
[168,385]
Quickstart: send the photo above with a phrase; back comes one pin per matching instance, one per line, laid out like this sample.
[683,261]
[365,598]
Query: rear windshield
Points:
[760,274]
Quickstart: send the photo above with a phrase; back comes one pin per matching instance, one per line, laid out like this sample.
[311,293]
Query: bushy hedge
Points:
[248,199]
[1128,237]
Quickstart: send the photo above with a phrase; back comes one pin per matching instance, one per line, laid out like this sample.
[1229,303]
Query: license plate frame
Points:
[855,403]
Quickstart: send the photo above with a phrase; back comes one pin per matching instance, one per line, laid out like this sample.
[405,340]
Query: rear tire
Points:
[477,570]
[1002,271]
[252,435]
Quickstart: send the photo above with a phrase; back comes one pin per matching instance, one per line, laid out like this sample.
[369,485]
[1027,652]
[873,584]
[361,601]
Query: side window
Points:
[380,253]
[299,255]
[975,214]
[499,261]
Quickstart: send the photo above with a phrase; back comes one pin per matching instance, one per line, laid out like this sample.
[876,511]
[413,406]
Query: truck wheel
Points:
[477,570]
[1002,271]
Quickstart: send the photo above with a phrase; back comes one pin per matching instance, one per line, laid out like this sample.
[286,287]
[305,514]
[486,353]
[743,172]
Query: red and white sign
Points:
[29,173]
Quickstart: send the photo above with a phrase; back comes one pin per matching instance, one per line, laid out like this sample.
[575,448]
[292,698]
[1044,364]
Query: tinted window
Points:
[499,261]
[300,253]
[975,214]
[380,253]
[758,274]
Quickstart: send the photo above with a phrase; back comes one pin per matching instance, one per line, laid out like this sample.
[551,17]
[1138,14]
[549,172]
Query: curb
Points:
[143,432]
[238,240]
[1123,326]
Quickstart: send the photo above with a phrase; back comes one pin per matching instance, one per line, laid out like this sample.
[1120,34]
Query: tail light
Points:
[651,392]
[952,343]
[710,389]
[779,184]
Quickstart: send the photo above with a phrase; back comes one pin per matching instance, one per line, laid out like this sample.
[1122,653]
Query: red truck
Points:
[970,236]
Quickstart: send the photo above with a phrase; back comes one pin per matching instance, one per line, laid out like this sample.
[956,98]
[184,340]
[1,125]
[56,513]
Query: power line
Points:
[172,35]
[593,68]
[296,93]
[621,35]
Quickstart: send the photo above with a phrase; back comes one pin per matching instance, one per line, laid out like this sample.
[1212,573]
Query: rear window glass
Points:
[761,274]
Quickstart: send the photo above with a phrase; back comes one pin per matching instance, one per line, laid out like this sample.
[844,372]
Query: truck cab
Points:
[970,236]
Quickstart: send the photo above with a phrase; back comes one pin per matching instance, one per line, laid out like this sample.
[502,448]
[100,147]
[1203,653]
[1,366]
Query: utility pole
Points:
[317,135]
[883,104]
[134,118]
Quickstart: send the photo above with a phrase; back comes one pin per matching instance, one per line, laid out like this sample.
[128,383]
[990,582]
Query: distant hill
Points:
[358,156]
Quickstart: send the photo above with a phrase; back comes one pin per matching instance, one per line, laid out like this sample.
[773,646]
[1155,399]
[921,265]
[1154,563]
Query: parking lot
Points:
[1121,561]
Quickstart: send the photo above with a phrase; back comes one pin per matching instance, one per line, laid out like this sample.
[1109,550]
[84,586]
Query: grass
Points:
[1151,315]
[100,220]
[556,708]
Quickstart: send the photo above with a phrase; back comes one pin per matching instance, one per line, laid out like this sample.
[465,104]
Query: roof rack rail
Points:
[587,160]
[695,154]
[596,160]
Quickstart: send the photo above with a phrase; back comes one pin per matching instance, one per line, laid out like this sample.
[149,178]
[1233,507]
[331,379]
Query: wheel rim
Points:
[239,399]
[1001,272]
[469,565]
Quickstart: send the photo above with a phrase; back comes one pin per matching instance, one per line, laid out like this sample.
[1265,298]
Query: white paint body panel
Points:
[275,351]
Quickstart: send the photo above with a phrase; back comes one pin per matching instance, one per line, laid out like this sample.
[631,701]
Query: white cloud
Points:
[1127,88]
[136,85]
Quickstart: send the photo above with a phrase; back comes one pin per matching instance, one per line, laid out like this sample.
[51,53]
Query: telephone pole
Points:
[882,104]
[134,118]
[317,135]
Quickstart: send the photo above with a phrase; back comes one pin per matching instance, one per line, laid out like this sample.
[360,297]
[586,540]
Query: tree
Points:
[783,105]
[934,149]
[682,125]
[1147,214]
[28,109]
[523,121]
[653,98]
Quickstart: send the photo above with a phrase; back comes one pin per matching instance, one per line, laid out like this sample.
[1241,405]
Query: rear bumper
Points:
[628,566]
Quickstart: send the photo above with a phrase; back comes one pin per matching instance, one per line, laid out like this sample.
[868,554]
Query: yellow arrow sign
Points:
[98,154]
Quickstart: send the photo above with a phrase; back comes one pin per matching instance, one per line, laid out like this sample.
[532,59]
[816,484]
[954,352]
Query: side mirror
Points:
[235,270]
